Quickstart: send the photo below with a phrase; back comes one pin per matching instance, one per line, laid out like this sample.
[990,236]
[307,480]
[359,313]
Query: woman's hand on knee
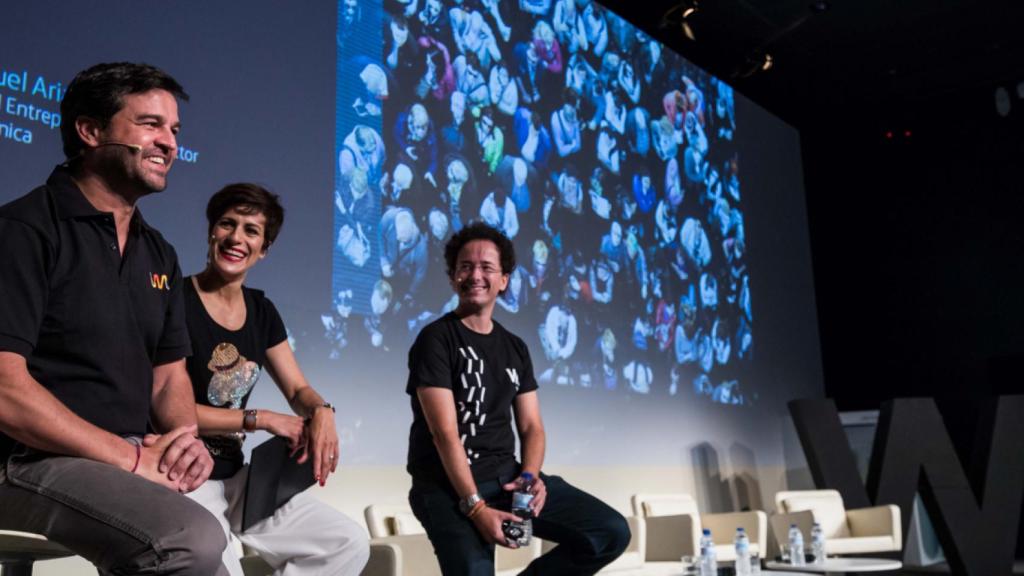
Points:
[322,444]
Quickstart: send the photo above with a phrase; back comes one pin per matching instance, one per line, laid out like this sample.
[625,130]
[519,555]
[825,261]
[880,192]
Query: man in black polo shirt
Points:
[468,377]
[93,341]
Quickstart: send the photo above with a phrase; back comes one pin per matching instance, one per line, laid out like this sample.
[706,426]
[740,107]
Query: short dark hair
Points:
[247,198]
[571,97]
[480,231]
[97,92]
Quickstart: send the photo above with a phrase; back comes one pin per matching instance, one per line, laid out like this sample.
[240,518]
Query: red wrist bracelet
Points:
[480,505]
[138,456]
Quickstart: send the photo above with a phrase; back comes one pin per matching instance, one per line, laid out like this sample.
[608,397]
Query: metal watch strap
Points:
[466,504]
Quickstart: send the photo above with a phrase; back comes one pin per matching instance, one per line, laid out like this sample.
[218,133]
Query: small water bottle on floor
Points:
[708,561]
[742,544]
[818,544]
[796,546]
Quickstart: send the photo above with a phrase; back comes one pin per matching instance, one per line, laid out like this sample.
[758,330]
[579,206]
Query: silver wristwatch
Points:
[466,504]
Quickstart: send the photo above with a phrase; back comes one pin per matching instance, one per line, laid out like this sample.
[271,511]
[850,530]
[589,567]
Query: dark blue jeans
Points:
[589,533]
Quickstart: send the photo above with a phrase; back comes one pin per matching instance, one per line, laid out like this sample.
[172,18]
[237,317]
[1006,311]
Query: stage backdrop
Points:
[664,283]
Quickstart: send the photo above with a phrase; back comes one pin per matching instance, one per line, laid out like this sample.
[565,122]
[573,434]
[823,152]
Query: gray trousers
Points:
[122,523]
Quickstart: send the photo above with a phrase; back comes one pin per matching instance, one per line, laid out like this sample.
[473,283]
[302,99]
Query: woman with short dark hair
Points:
[236,332]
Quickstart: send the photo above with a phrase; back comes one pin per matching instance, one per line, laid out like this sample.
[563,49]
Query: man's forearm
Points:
[173,407]
[533,447]
[453,457]
[30,414]
[173,404]
[306,401]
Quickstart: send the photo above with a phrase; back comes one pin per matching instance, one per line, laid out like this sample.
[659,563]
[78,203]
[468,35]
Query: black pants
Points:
[589,533]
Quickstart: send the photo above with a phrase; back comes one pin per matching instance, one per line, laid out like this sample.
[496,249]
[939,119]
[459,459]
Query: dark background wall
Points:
[919,256]
[916,239]
[917,249]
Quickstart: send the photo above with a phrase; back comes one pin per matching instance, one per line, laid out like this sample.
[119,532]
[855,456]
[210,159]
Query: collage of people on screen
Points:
[609,160]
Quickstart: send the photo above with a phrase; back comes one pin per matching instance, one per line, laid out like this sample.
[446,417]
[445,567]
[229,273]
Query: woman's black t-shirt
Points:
[225,364]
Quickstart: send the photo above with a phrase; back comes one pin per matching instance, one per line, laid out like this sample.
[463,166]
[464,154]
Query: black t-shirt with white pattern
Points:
[485,372]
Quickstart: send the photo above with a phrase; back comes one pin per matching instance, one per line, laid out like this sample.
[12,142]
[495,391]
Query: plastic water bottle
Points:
[521,499]
[818,543]
[796,546]
[742,544]
[708,561]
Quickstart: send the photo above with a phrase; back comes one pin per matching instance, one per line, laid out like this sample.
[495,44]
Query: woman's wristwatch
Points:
[317,407]
[249,421]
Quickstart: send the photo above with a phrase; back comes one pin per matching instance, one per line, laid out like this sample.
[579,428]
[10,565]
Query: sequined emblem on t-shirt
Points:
[233,376]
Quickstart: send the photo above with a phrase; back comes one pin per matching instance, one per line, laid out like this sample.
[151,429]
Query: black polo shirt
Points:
[90,322]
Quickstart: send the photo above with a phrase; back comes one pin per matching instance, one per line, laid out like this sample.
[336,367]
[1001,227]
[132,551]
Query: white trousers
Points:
[304,537]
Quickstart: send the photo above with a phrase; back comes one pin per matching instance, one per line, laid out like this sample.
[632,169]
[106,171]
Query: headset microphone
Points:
[133,147]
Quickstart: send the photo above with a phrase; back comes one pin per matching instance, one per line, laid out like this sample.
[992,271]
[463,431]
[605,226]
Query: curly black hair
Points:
[480,231]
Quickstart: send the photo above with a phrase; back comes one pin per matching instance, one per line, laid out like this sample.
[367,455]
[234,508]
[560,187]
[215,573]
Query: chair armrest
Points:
[637,536]
[780,523]
[671,537]
[723,527]
[385,559]
[405,555]
[876,521]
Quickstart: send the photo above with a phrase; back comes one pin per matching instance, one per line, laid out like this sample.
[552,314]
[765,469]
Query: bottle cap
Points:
[527,476]
[707,532]
[740,529]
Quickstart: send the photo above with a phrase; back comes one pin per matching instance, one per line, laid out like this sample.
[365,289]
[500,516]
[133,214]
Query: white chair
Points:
[20,550]
[859,531]
[391,520]
[395,526]
[674,526]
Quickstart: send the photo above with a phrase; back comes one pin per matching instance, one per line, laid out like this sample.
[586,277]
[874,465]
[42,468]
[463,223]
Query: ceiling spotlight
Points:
[688,30]
[683,10]
[755,63]
[679,14]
